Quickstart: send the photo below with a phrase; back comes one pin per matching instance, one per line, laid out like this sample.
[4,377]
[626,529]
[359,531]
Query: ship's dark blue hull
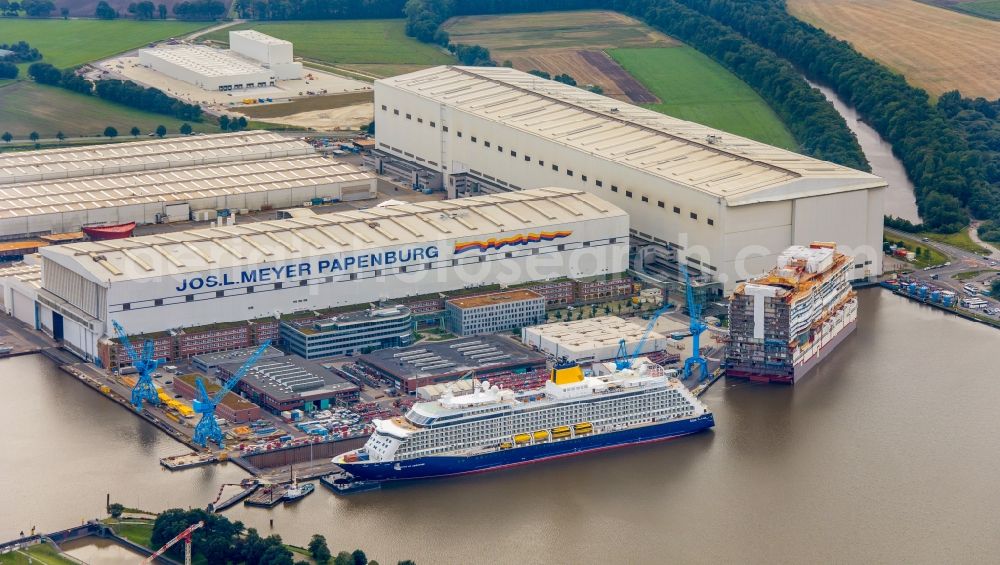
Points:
[427,467]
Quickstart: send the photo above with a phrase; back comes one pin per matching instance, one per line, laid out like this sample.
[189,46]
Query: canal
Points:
[886,453]
[899,197]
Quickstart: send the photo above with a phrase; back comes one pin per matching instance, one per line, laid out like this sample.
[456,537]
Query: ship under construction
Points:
[785,322]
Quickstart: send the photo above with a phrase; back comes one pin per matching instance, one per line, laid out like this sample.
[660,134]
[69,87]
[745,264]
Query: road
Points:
[961,261]
[974,236]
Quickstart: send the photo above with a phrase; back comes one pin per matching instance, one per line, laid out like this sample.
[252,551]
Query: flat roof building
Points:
[348,333]
[443,361]
[291,383]
[207,67]
[723,204]
[591,340]
[272,268]
[494,313]
[208,362]
[138,156]
[143,197]
[273,53]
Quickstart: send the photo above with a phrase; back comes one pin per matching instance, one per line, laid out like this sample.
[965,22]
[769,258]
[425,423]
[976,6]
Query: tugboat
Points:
[296,491]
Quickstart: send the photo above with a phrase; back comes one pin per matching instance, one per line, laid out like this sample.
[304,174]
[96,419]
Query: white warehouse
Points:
[723,204]
[136,156]
[254,60]
[60,206]
[252,270]
[271,52]
[592,340]
[206,67]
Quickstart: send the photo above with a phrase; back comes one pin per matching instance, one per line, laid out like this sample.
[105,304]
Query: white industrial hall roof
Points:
[206,61]
[721,164]
[260,37]
[180,184]
[29,274]
[228,247]
[593,333]
[145,155]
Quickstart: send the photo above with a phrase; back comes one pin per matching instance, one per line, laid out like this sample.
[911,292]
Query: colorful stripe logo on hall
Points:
[520,239]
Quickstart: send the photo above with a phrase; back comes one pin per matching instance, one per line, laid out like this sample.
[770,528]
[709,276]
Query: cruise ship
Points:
[492,428]
[782,324]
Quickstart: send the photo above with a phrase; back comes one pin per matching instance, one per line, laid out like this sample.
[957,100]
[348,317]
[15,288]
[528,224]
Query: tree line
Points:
[21,52]
[121,92]
[318,9]
[979,120]
[31,8]
[222,541]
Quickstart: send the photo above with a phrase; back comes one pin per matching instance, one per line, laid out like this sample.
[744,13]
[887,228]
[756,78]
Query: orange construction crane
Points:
[186,536]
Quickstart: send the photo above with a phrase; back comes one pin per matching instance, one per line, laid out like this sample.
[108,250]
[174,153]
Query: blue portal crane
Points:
[144,390]
[624,359]
[207,428]
[697,326]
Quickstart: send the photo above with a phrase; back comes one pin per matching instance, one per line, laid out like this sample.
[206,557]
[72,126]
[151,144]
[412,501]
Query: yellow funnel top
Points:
[566,374]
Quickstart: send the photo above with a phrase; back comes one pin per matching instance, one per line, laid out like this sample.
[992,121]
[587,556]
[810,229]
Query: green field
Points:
[26,107]
[136,532]
[350,43]
[987,9]
[959,239]
[41,554]
[691,86]
[68,43]
[984,8]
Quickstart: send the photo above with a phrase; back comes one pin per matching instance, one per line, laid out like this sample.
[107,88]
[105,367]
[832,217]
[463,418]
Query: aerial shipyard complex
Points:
[489,198]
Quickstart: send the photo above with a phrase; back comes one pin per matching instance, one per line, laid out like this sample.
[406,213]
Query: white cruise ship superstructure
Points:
[491,427]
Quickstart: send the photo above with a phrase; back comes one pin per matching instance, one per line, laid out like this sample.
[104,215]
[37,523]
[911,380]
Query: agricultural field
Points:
[693,87]
[564,42]
[937,50]
[28,107]
[68,43]
[370,47]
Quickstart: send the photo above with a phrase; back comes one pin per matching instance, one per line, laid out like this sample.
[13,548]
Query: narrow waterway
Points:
[887,453]
[899,198]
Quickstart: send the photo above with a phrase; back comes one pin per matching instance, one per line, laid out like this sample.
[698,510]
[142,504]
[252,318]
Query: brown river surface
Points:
[889,452]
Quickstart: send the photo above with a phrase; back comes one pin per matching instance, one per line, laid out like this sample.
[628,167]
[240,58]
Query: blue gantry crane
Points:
[207,428]
[697,327]
[145,364]
[624,359]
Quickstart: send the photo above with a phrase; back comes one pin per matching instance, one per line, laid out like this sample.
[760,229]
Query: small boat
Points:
[297,492]
[112,231]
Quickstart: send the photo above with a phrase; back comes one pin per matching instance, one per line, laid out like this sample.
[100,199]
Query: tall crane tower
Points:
[186,536]
[207,428]
[145,364]
[697,326]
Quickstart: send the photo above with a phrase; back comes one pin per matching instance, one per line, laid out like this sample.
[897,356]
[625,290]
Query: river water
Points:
[899,198]
[888,452]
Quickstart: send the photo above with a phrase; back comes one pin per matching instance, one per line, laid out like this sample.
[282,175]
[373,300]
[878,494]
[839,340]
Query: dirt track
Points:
[936,49]
[632,88]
